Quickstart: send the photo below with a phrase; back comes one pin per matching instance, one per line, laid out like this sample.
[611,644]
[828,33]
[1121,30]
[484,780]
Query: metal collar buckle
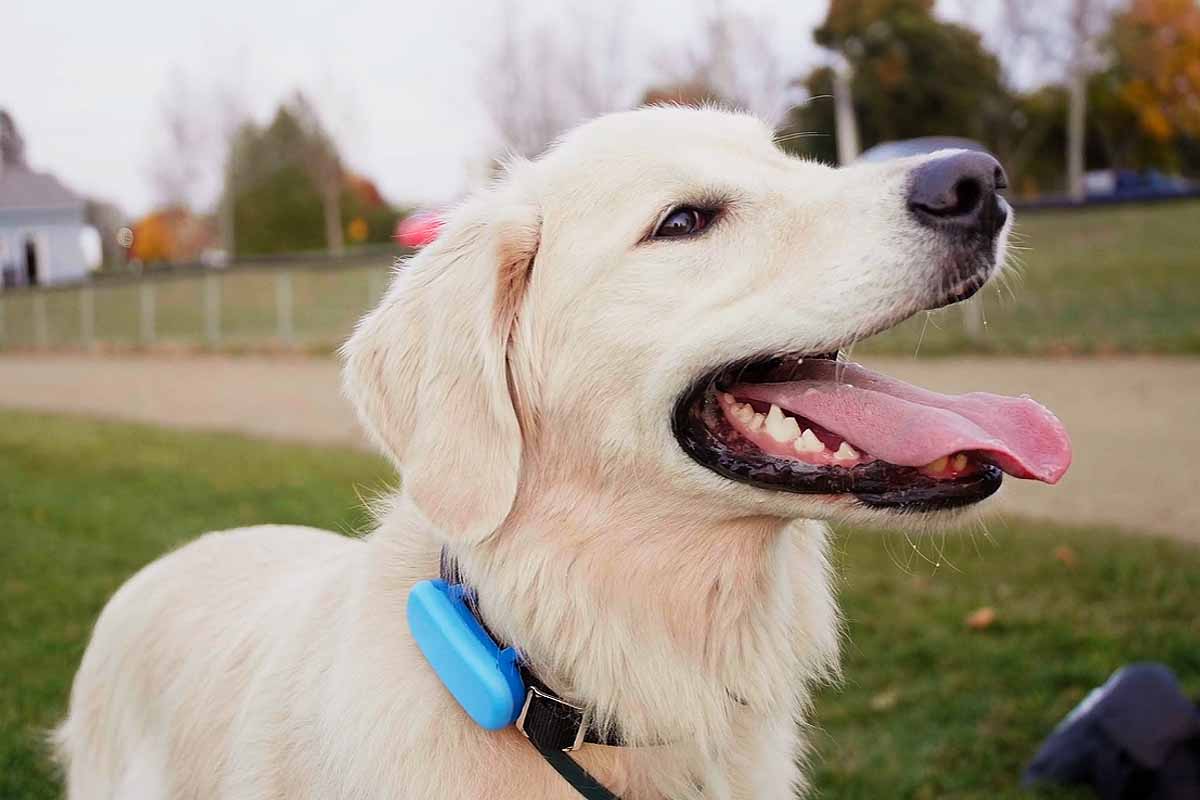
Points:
[573,711]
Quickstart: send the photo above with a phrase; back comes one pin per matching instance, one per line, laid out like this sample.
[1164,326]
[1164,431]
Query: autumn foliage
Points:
[172,235]
[1157,44]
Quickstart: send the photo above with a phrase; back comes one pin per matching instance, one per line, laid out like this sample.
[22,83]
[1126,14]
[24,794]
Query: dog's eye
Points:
[683,221]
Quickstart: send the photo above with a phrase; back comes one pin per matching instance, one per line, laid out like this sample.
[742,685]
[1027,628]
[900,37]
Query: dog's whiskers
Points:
[803,135]
[921,338]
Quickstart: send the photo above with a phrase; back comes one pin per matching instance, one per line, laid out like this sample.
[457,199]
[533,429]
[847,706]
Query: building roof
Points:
[23,188]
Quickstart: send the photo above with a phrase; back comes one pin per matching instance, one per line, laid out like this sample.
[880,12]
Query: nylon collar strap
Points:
[552,725]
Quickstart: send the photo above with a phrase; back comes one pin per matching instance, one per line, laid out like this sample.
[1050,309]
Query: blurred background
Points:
[197,202]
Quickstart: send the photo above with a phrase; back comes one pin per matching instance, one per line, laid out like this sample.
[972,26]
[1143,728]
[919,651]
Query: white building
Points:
[41,229]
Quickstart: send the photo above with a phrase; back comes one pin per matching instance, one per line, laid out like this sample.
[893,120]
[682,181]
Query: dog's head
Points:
[657,305]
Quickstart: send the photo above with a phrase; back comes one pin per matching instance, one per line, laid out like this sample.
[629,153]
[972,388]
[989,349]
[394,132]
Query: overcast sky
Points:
[396,80]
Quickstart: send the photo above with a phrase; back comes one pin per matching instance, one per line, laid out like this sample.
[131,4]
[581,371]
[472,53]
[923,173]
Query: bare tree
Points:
[107,218]
[232,117]
[736,58]
[1067,37]
[540,80]
[185,152]
[196,126]
[319,156]
[194,158]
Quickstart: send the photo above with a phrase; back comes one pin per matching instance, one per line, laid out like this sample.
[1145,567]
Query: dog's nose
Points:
[959,192]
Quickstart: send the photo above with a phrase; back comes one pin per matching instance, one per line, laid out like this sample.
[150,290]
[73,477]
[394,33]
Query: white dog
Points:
[610,390]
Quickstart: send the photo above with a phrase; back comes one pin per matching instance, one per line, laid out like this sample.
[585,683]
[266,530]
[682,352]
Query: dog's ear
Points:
[427,369]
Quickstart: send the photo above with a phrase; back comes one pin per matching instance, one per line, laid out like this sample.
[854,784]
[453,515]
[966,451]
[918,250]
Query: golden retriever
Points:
[612,392]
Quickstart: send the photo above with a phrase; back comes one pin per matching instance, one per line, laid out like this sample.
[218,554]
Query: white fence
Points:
[294,305]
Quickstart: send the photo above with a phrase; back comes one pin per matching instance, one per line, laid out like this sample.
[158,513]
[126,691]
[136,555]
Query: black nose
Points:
[958,192]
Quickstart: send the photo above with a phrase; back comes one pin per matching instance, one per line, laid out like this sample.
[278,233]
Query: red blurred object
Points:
[419,229]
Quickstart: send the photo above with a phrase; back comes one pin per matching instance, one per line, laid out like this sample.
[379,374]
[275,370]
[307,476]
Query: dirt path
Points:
[1135,423]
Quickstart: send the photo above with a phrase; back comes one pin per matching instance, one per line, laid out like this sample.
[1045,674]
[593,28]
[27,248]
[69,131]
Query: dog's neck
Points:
[667,627]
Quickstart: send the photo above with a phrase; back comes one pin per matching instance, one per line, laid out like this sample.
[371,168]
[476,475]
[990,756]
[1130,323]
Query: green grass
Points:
[84,504]
[932,709]
[928,709]
[1106,280]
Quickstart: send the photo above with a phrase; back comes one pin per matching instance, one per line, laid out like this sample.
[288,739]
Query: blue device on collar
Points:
[482,676]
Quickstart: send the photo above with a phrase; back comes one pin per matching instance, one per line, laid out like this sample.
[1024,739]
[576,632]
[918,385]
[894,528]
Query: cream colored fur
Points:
[521,372]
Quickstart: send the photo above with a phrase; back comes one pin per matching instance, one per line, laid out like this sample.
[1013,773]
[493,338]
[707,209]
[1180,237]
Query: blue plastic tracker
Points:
[482,677]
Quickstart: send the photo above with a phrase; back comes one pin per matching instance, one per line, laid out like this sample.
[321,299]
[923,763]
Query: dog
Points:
[612,391]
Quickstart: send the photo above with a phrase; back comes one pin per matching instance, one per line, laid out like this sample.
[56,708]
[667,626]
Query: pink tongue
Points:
[909,426]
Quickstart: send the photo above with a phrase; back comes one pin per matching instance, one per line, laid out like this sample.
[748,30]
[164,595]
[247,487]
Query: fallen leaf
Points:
[981,618]
[1066,556]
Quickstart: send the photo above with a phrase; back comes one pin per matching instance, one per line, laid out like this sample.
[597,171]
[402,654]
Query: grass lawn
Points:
[928,709]
[1105,280]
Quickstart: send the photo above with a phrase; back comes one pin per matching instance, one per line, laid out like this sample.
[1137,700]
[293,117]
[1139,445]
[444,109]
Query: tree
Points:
[192,161]
[12,144]
[172,235]
[809,129]
[543,78]
[367,215]
[319,156]
[1067,37]
[1087,21]
[914,74]
[290,192]
[692,93]
[186,153]
[539,81]
[734,63]
[107,218]
[1155,72]
[276,205]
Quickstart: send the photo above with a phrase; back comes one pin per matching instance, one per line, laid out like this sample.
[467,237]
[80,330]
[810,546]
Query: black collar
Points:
[552,725]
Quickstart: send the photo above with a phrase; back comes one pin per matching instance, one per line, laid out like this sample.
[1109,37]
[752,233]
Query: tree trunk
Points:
[225,215]
[1076,130]
[845,124]
[331,204]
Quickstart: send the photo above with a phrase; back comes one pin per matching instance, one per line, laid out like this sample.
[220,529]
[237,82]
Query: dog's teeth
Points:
[742,412]
[845,452]
[756,422]
[937,466]
[959,462]
[727,397]
[779,427]
[808,443]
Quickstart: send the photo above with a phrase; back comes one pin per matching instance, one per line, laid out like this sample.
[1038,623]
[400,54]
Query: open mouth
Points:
[816,425]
